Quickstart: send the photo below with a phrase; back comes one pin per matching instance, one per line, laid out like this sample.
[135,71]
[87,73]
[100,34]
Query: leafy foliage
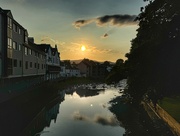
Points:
[154,58]
[118,72]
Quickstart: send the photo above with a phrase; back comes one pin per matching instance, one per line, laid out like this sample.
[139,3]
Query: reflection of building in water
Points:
[43,119]
[51,114]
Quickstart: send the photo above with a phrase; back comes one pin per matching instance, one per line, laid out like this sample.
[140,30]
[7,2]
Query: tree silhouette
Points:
[154,58]
[118,72]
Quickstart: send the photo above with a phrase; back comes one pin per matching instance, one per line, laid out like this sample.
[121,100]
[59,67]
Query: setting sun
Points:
[83,48]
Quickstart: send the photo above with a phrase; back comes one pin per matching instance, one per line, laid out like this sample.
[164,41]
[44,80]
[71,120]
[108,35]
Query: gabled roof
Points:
[54,50]
[44,47]
[7,12]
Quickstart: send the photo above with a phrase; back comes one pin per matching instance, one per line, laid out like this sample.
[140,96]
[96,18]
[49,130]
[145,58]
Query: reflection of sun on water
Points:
[83,48]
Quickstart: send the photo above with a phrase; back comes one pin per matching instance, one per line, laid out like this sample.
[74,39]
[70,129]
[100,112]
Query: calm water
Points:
[86,113]
[76,112]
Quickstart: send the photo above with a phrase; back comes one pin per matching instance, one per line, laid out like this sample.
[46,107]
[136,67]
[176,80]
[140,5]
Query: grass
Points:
[172,106]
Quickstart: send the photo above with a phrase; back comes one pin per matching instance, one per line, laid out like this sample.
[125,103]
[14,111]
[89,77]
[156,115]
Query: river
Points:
[77,111]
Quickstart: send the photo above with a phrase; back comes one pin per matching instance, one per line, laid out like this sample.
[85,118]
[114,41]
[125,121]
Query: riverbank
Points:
[161,114]
[21,108]
[45,88]
[139,118]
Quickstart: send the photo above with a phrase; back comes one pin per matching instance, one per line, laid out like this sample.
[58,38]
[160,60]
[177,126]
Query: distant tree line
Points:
[154,58]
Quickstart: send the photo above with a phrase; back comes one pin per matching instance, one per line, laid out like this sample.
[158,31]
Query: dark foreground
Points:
[76,111]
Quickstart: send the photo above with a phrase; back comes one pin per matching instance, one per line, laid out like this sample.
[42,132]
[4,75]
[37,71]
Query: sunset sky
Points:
[95,29]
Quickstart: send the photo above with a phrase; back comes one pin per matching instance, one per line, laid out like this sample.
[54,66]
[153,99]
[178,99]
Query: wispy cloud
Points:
[114,20]
[91,49]
[47,39]
[105,121]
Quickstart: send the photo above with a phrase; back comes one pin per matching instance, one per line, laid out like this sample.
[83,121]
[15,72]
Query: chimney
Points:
[31,39]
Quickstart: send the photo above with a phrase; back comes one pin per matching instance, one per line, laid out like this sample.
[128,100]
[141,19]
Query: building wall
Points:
[17,57]
[49,57]
[17,50]
[63,71]
[33,64]
[1,33]
[42,64]
[56,59]
[83,68]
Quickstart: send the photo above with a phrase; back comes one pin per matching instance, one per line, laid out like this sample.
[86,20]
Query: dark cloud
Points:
[115,20]
[80,23]
[105,35]
[110,31]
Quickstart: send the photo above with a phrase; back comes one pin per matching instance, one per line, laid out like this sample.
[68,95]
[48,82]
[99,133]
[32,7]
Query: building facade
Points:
[90,68]
[19,57]
[52,61]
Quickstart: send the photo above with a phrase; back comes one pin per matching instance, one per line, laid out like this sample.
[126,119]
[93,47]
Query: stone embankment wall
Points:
[160,112]
[19,83]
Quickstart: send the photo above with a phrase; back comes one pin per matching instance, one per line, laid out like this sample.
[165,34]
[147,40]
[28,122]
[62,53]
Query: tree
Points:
[118,72]
[154,58]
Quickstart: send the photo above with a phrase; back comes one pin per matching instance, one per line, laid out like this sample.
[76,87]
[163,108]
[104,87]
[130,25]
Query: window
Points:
[9,22]
[9,62]
[9,43]
[26,64]
[19,31]
[42,66]
[26,39]
[19,47]
[15,45]
[38,66]
[35,54]
[9,67]
[20,63]
[15,62]
[34,65]
[26,51]
[30,51]
[30,64]
[15,28]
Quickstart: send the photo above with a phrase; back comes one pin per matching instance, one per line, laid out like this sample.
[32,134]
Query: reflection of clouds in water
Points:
[105,121]
[77,116]
[103,105]
[110,121]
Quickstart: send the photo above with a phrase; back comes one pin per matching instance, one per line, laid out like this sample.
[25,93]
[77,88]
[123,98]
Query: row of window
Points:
[17,29]
[28,64]
[53,60]
[14,26]
[13,45]
[28,51]
[16,46]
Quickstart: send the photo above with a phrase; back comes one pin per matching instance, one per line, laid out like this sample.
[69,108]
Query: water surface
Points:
[86,113]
